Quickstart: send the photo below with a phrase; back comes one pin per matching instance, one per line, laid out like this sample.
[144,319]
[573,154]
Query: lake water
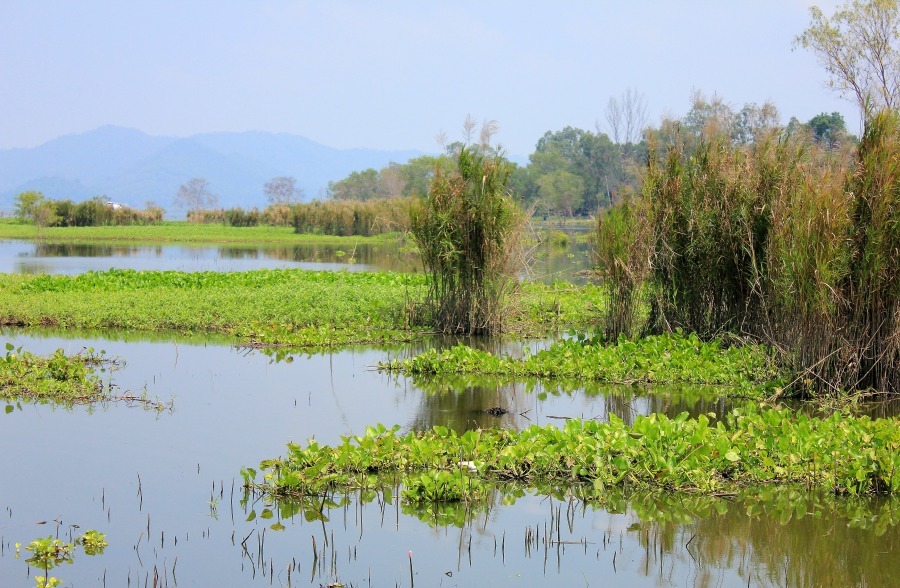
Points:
[165,487]
[548,263]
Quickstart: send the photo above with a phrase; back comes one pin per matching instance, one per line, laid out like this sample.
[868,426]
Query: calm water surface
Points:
[31,257]
[165,487]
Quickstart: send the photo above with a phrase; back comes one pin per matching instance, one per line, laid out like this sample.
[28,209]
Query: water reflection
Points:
[550,263]
[764,537]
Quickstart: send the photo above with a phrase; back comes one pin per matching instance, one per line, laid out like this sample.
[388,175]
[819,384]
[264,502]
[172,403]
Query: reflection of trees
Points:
[460,402]
[553,263]
[43,249]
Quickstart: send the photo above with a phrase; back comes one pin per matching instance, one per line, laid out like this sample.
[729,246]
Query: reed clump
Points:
[468,231]
[344,218]
[622,247]
[778,240]
[354,217]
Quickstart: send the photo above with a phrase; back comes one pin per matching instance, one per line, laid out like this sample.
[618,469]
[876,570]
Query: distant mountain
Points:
[131,167]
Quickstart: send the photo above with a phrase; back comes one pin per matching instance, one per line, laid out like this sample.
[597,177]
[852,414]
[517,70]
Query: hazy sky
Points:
[391,74]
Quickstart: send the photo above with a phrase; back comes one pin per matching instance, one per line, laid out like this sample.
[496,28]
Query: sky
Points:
[392,74]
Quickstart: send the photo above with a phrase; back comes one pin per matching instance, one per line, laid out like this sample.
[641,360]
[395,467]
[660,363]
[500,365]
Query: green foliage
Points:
[665,358]
[828,128]
[26,204]
[264,307]
[859,46]
[58,378]
[561,191]
[468,232]
[622,247]
[776,241]
[443,486]
[48,553]
[853,455]
[279,218]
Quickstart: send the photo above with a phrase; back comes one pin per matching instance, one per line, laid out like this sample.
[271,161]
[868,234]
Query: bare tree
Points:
[195,195]
[626,117]
[860,49]
[282,190]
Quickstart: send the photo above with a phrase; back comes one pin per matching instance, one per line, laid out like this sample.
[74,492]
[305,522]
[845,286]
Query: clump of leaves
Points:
[59,377]
[48,553]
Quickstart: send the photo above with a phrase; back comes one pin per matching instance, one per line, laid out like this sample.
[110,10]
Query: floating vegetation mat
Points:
[61,379]
[668,358]
[852,455]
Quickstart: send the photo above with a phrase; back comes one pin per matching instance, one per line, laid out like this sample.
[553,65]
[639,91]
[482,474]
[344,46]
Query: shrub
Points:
[468,232]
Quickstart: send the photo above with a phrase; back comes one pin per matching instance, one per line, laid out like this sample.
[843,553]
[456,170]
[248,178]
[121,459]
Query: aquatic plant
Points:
[468,232]
[622,248]
[670,358]
[853,455]
[59,377]
[49,553]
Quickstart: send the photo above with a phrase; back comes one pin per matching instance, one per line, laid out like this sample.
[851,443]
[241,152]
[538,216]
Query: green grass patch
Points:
[852,455]
[264,307]
[667,358]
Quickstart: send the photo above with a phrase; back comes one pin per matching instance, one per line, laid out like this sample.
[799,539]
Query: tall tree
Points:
[362,185]
[282,190]
[860,49]
[562,192]
[195,195]
[626,117]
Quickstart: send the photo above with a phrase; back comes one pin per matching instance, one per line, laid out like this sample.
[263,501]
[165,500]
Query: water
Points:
[75,258]
[165,487]
[31,257]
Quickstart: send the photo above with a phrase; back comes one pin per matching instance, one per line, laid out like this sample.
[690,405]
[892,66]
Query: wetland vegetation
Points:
[741,266]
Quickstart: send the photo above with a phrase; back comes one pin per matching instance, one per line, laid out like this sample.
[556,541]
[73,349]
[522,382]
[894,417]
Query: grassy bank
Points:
[285,307]
[178,232]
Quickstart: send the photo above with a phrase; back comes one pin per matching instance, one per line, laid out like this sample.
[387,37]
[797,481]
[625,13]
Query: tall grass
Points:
[623,261]
[468,232]
[344,218]
[354,217]
[777,240]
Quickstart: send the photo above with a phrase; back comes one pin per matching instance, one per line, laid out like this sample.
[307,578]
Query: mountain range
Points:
[131,167]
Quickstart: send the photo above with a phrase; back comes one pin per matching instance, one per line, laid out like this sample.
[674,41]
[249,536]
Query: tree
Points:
[282,190]
[859,46]
[591,157]
[828,128]
[357,186]
[26,205]
[753,122]
[626,117]
[562,191]
[32,207]
[195,195]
